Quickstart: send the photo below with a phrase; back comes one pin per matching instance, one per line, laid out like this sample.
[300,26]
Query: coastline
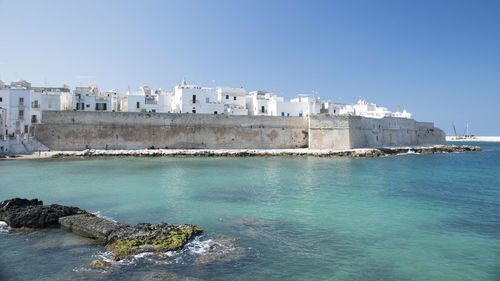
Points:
[352,153]
[474,139]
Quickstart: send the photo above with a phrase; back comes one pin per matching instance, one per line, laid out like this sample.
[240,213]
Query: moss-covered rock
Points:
[158,238]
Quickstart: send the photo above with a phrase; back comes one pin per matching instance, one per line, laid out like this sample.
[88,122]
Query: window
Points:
[100,106]
[21,101]
[227,97]
[234,98]
[138,105]
[215,112]
[88,105]
[33,118]
[153,110]
[262,109]
[207,100]
[25,129]
[194,110]
[21,114]
[194,98]
[0,99]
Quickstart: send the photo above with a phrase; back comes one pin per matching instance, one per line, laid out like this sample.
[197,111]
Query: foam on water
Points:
[4,227]
[99,214]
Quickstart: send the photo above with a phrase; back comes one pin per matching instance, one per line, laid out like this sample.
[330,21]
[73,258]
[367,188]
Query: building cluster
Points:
[21,105]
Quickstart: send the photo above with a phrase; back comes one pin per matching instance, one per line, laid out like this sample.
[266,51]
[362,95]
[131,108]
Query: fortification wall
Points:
[70,130]
[346,132]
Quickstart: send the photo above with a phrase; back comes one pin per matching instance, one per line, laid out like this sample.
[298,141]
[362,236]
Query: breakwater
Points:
[73,130]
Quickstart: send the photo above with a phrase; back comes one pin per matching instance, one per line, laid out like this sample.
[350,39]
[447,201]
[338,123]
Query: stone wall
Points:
[71,130]
[346,132]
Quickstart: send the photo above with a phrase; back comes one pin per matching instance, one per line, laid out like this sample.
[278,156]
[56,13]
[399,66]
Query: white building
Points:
[91,99]
[258,103]
[234,100]
[20,109]
[403,114]
[147,101]
[52,98]
[362,108]
[195,99]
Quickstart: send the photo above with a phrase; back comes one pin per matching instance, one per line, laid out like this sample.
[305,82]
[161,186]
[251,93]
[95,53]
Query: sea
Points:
[405,217]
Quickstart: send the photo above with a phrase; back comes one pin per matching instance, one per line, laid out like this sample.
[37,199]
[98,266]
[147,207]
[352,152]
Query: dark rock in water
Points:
[33,214]
[167,276]
[91,226]
[222,250]
[122,239]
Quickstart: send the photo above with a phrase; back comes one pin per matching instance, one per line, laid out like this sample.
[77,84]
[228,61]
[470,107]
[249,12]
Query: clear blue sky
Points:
[438,59]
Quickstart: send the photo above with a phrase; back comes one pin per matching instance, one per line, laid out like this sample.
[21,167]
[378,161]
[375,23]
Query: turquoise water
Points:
[408,217]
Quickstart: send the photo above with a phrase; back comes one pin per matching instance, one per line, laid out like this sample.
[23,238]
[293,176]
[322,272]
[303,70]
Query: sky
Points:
[438,59]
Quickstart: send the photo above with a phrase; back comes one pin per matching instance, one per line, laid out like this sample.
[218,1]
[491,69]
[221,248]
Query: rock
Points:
[145,237]
[222,250]
[167,276]
[123,240]
[33,214]
[100,263]
[91,226]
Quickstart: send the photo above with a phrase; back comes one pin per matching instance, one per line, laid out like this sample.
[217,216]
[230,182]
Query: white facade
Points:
[146,101]
[49,98]
[195,99]
[234,100]
[91,99]
[258,102]
[3,124]
[362,108]
[20,111]
[403,114]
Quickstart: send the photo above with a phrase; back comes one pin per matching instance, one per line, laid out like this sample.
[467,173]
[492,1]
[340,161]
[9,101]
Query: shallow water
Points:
[408,217]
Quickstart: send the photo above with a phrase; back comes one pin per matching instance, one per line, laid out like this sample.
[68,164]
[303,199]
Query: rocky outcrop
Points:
[89,225]
[353,153]
[26,213]
[122,239]
[145,237]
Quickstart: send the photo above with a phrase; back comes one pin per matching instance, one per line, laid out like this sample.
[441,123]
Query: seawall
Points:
[75,130]
[348,132]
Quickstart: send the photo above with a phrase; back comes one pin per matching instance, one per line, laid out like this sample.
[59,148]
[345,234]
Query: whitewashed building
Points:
[195,99]
[91,99]
[365,109]
[52,98]
[16,99]
[403,114]
[147,101]
[258,102]
[234,100]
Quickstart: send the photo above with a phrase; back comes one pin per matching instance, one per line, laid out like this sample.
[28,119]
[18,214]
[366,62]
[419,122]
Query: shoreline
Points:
[473,139]
[350,153]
